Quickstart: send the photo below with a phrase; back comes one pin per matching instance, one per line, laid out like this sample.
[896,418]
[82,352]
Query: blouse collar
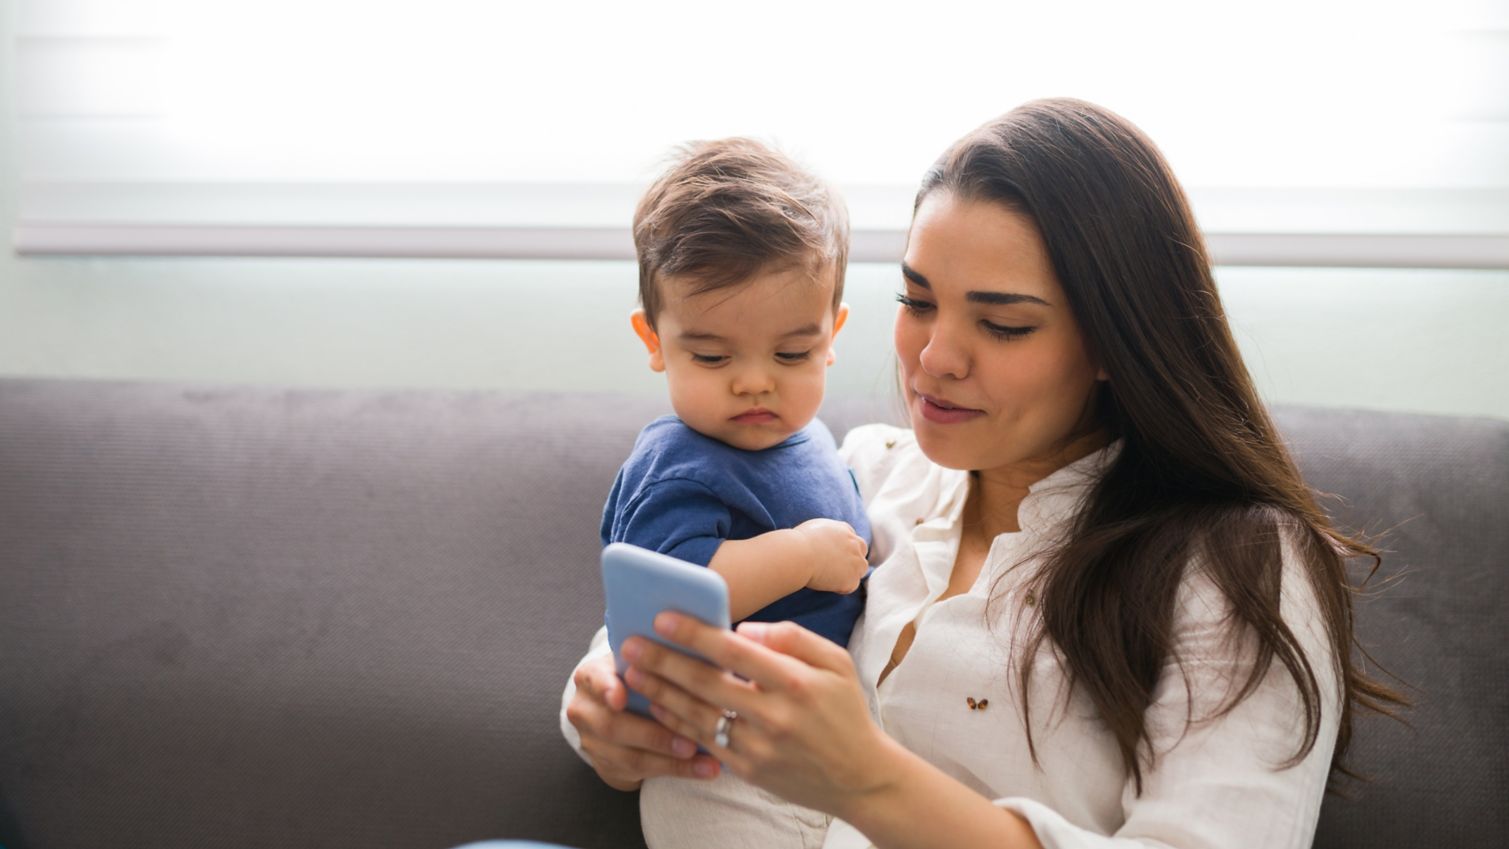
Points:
[1058,498]
[1050,502]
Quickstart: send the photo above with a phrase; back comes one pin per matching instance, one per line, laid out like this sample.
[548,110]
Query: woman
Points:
[1109,612]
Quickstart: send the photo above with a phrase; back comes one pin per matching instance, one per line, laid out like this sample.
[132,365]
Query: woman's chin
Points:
[946,449]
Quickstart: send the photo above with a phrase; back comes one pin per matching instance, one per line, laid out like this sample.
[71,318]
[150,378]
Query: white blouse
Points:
[1216,783]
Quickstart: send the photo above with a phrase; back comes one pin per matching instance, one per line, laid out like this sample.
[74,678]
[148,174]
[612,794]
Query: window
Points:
[1309,133]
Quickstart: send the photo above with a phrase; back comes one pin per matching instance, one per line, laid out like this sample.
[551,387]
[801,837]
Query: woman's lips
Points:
[756,417]
[942,412]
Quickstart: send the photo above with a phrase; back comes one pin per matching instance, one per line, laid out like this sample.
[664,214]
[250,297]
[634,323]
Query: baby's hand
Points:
[838,555]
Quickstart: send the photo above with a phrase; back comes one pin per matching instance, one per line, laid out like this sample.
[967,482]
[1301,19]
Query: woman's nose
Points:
[941,357]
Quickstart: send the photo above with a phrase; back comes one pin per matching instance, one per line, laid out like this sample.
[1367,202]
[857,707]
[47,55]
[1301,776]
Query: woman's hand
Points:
[624,748]
[803,729]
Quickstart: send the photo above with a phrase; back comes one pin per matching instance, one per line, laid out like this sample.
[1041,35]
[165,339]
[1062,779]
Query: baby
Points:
[741,268]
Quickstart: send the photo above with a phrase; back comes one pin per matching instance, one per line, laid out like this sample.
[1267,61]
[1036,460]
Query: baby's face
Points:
[746,364]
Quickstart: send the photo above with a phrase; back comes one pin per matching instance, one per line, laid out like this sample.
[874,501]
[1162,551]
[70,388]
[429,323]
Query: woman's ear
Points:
[651,341]
[839,318]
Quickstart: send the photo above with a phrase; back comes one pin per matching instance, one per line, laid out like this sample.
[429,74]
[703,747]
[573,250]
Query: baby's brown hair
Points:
[726,210]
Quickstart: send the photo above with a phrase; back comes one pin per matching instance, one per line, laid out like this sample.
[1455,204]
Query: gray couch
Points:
[235,617]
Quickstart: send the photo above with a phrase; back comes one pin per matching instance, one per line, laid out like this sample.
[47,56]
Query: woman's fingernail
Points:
[665,624]
[633,677]
[682,747]
[632,650]
[705,769]
[753,630]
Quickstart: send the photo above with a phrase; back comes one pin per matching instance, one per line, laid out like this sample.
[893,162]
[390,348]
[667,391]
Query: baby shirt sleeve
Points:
[680,517]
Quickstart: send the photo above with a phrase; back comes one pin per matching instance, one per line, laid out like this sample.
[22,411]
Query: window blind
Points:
[1308,133]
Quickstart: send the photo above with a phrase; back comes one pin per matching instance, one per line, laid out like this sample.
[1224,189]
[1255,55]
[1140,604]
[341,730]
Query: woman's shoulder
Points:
[1278,557]
[1222,667]
[878,453]
[884,437]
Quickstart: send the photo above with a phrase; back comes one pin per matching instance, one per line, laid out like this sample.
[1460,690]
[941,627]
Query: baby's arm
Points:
[687,519]
[823,554]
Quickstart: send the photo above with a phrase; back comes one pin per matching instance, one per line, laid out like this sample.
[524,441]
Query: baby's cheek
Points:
[810,393]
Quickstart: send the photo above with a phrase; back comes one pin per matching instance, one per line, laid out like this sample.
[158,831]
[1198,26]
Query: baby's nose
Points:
[752,381]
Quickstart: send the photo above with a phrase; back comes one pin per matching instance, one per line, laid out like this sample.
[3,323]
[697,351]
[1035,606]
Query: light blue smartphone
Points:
[638,584]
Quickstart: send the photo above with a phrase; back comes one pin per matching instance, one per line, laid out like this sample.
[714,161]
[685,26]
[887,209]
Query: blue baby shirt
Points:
[682,493]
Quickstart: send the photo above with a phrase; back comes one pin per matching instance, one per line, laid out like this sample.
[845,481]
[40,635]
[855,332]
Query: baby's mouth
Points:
[759,415]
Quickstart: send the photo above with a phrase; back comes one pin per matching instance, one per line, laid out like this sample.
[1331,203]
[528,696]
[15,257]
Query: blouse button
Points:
[920,520]
[890,443]
[1031,600]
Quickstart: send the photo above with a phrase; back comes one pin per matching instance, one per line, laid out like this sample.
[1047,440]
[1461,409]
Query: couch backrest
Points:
[1436,491]
[263,617]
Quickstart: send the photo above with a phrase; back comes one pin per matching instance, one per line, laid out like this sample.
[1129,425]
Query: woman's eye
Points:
[913,306]
[1003,331]
[793,356]
[710,359]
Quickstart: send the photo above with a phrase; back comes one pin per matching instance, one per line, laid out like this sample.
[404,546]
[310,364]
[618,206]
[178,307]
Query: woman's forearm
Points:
[921,807]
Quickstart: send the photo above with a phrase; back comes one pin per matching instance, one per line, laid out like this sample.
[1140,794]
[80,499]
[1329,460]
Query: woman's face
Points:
[995,370]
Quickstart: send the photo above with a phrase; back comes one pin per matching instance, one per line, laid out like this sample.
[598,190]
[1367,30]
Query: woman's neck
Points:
[996,494]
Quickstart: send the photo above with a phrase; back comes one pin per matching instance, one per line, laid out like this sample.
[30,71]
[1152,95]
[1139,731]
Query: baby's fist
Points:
[838,555]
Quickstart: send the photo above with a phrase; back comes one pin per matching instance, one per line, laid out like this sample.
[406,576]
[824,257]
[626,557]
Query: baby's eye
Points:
[710,359]
[793,356]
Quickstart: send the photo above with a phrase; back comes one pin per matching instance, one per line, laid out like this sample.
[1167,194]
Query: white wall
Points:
[1412,340]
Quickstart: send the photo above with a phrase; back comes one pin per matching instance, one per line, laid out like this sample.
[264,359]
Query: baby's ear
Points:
[651,341]
[839,318]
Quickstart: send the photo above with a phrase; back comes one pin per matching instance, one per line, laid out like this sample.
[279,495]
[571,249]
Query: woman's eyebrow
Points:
[999,299]
[911,274]
[1002,299]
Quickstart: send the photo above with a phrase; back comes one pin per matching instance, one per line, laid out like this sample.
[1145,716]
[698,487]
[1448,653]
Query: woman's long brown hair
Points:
[1202,474]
